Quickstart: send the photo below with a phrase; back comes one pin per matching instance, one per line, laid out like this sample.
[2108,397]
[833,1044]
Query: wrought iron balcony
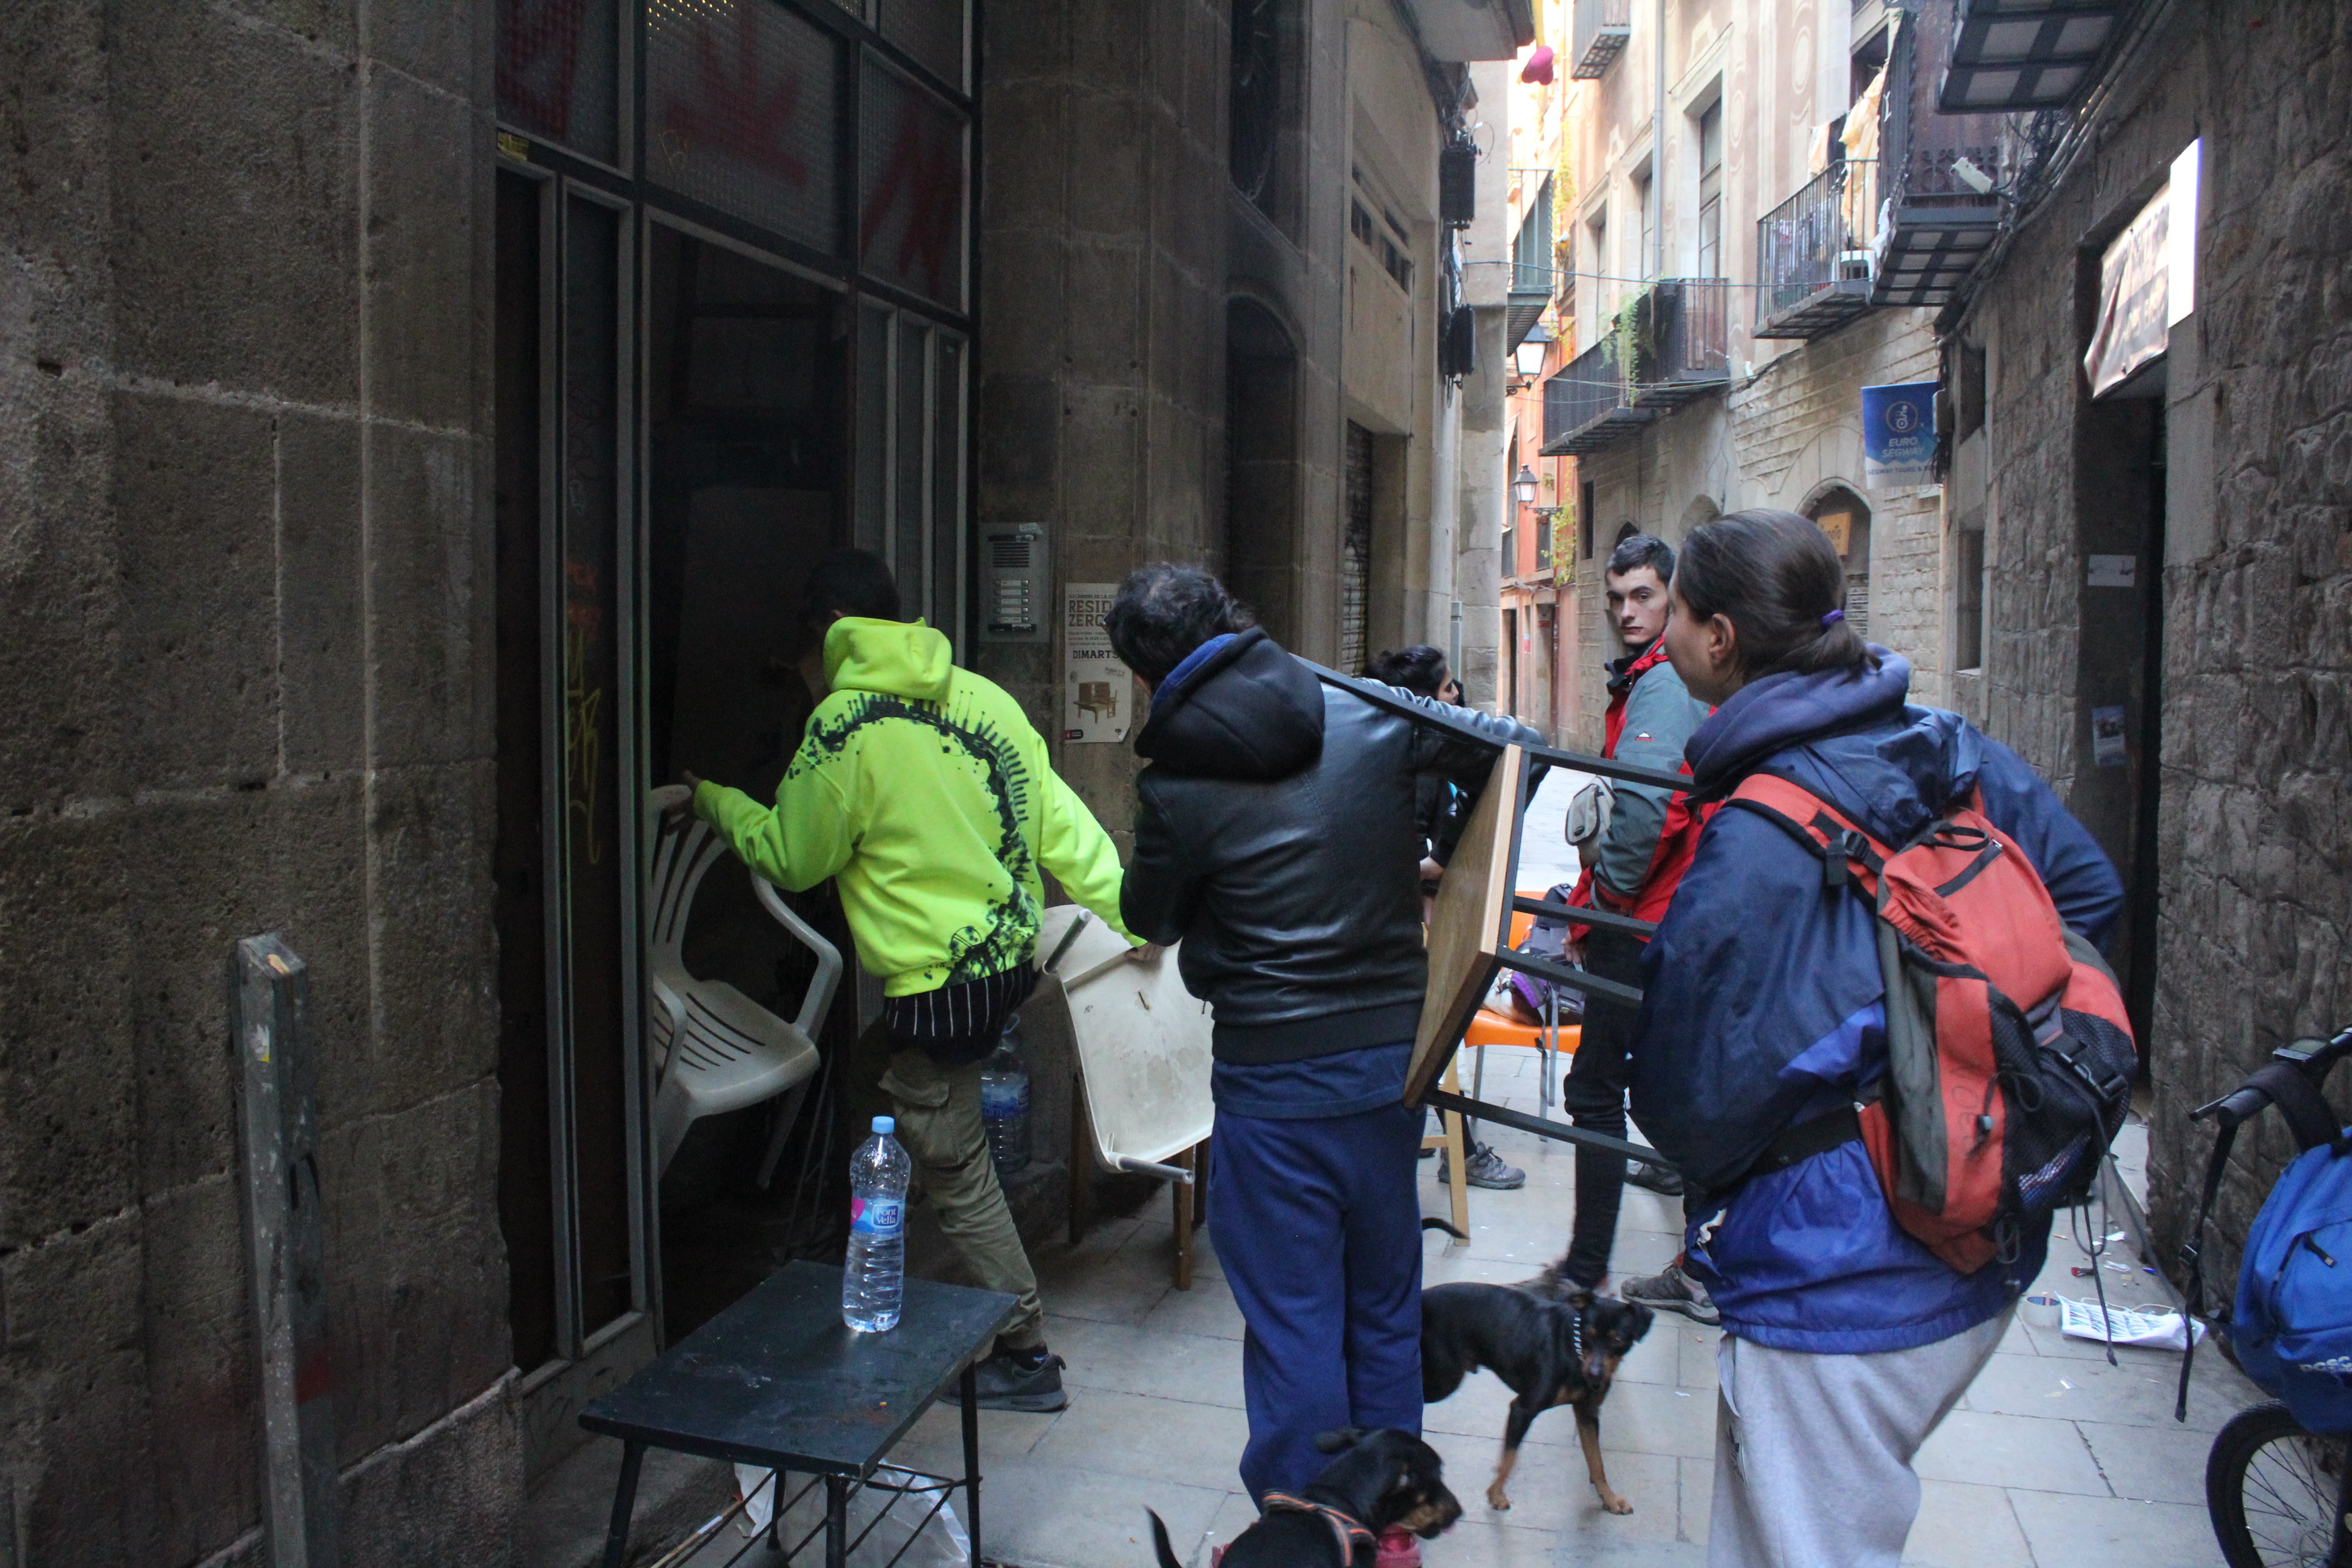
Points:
[1940,173]
[1602,29]
[1587,406]
[1677,334]
[1813,253]
[1681,337]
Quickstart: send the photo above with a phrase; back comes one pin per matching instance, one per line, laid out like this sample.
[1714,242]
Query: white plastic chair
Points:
[714,1048]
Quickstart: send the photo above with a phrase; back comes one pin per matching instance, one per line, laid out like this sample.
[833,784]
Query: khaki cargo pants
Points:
[938,1110]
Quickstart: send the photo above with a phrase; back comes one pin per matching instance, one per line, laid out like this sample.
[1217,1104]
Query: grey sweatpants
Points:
[1812,1452]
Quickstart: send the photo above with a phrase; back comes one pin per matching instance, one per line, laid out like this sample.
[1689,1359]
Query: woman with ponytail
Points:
[1846,1341]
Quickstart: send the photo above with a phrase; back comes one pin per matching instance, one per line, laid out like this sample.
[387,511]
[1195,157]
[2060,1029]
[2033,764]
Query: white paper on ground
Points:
[2151,1329]
[939,1542]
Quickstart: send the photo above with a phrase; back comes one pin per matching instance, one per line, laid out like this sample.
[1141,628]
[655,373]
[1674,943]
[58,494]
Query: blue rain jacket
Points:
[1763,1007]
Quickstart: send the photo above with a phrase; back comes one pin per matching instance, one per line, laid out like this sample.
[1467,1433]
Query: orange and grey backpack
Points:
[2010,1059]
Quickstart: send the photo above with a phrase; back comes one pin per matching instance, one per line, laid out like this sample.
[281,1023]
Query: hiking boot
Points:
[1486,1169]
[1671,1290]
[1016,1380]
[1658,1179]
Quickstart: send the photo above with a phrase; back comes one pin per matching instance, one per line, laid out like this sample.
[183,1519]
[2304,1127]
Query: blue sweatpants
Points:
[1318,1224]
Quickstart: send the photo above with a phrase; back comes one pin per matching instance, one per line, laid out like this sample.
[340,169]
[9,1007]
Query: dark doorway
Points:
[519,870]
[1262,468]
[746,368]
[2119,476]
[570,1193]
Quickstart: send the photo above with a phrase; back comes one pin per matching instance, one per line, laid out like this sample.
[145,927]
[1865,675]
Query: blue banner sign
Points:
[1899,435]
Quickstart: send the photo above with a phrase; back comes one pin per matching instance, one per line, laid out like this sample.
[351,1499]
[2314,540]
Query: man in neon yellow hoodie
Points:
[928,792]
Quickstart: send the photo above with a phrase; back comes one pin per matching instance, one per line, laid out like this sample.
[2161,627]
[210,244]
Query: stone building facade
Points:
[1744,256]
[2225,474]
[414,421]
[244,436]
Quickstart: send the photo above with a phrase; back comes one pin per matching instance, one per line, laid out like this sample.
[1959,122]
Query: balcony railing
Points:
[1602,29]
[1682,335]
[1677,336]
[1585,405]
[1813,253]
[1939,225]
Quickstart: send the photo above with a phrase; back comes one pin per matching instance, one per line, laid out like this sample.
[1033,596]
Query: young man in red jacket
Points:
[1632,869]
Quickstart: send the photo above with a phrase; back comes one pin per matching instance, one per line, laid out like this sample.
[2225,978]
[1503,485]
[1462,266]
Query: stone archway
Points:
[1845,516]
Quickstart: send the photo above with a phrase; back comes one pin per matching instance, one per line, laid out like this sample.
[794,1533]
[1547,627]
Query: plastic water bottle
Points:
[875,1279]
[1005,1102]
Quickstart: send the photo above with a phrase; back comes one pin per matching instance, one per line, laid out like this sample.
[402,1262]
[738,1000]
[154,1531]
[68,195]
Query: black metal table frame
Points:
[1572,976]
[839,1489]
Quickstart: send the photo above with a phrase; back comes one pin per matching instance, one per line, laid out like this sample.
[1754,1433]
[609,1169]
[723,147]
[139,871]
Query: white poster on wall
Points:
[1097,692]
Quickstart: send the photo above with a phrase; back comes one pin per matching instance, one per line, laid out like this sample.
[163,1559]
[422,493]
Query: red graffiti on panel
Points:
[927,170]
[739,107]
[541,60]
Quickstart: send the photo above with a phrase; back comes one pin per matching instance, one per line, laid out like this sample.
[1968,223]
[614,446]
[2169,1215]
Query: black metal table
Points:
[777,1381]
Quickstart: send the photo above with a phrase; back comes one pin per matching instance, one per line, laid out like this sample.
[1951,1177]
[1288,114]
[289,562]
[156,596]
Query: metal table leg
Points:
[624,1503]
[969,1383]
[836,1521]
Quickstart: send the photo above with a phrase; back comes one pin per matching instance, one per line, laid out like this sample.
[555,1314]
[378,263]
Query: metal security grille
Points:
[558,72]
[910,158]
[740,99]
[932,31]
[1356,551]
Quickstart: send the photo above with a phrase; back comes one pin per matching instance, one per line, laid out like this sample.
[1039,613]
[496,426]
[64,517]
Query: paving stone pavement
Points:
[2053,1459]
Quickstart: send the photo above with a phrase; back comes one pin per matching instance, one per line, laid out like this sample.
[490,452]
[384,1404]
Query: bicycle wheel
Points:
[2273,1490]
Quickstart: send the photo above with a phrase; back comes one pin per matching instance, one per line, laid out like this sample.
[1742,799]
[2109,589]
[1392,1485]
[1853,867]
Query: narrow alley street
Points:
[2052,1460]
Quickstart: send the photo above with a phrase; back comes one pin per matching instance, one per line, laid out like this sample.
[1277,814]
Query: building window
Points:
[1263,106]
[1584,520]
[1648,209]
[1710,191]
[1545,517]
[1969,616]
[1531,255]
[1596,251]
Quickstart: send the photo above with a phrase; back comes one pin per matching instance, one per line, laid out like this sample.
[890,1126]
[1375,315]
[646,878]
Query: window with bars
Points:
[1710,191]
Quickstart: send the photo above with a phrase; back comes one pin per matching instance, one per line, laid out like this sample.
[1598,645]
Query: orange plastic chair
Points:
[1490,1027]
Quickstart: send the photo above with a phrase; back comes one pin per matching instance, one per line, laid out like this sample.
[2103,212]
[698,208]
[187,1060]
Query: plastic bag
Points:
[2150,1328]
[939,1542]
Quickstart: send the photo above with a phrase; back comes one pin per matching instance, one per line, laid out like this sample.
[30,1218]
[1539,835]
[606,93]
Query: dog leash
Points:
[1344,1529]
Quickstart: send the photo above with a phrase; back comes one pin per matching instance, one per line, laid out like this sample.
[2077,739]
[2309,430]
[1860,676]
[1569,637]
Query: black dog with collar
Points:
[1551,1353]
[1379,1481]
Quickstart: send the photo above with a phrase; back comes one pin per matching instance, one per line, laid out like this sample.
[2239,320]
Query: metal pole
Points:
[1658,146]
[278,1132]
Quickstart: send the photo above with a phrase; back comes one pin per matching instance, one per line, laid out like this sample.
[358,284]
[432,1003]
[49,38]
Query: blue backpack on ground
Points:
[2291,1329]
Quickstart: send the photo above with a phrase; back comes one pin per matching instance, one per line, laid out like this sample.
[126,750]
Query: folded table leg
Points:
[971,1387]
[624,1502]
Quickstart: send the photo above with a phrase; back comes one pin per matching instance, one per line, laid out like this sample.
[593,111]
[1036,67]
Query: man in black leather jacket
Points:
[1277,837]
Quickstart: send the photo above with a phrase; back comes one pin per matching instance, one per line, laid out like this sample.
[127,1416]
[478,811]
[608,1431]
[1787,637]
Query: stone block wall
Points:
[2255,937]
[1102,271]
[1784,433]
[244,567]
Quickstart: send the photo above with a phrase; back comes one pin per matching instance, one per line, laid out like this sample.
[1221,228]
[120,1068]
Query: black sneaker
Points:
[1660,1179]
[1486,1169]
[1007,1381]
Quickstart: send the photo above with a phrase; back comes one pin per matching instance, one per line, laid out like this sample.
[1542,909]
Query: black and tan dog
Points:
[1379,1481]
[1551,1350]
